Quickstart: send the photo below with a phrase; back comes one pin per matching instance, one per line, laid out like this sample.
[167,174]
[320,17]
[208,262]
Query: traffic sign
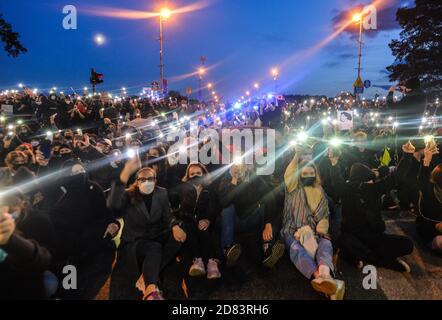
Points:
[358,83]
[359,90]
[367,84]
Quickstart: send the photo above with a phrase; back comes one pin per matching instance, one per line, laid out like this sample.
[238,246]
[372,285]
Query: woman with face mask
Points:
[363,239]
[16,159]
[305,227]
[84,227]
[150,239]
[192,204]
[429,222]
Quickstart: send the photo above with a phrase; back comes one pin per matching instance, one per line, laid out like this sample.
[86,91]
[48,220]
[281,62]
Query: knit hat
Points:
[361,173]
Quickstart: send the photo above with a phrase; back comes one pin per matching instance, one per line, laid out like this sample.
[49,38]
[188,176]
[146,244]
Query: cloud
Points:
[344,56]
[386,18]
[332,64]
[340,59]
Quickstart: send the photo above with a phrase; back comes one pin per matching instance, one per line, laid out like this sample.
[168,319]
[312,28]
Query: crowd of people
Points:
[88,181]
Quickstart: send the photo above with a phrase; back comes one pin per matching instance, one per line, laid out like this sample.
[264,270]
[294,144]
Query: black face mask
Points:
[17,166]
[195,178]
[66,156]
[76,181]
[308,182]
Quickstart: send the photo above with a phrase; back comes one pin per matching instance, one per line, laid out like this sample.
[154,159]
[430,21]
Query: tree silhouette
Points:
[419,51]
[13,47]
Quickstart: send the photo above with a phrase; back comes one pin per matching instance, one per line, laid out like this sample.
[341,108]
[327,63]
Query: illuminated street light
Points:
[357,17]
[165,14]
[20,85]
[256,85]
[210,86]
[247,93]
[275,74]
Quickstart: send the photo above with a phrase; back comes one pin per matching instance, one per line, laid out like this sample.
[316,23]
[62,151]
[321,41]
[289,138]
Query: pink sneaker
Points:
[154,295]
[197,269]
[212,270]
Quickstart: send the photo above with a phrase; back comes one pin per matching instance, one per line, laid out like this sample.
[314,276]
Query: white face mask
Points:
[146,187]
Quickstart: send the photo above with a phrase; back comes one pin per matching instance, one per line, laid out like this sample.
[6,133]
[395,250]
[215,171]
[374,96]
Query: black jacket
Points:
[248,196]
[139,223]
[29,256]
[80,218]
[189,206]
[361,204]
[430,208]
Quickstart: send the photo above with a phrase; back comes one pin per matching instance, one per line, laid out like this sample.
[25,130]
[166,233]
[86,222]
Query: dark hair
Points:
[347,115]
[436,176]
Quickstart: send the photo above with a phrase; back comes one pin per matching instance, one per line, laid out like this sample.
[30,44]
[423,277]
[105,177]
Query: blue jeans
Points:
[302,260]
[230,224]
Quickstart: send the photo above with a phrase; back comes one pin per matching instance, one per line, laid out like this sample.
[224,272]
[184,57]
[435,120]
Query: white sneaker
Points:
[197,269]
[325,285]
[340,291]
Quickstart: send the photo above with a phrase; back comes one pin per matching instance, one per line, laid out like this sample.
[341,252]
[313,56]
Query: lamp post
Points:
[358,18]
[164,15]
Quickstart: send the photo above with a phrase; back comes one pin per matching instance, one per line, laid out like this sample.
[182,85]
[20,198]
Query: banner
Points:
[345,120]
[7,109]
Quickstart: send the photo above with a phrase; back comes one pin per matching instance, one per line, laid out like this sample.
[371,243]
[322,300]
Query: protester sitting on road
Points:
[429,222]
[363,238]
[306,224]
[247,200]
[151,238]
[193,207]
[81,218]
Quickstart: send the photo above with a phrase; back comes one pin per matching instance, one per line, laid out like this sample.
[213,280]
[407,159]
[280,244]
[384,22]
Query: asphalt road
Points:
[284,282]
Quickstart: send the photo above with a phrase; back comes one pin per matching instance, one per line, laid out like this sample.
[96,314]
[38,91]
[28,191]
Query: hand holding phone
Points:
[7,227]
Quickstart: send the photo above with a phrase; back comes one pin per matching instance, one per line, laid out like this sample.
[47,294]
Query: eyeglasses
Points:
[149,179]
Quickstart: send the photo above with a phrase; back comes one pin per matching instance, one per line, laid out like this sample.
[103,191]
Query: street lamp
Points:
[275,74]
[256,86]
[201,72]
[165,14]
[210,86]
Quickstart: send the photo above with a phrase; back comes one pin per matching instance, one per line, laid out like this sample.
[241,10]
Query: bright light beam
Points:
[127,14]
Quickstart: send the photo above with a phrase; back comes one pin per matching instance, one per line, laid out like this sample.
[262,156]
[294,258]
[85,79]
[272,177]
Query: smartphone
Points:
[45,148]
[430,142]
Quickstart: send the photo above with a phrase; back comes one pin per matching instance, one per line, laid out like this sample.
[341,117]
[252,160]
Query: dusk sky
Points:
[242,40]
